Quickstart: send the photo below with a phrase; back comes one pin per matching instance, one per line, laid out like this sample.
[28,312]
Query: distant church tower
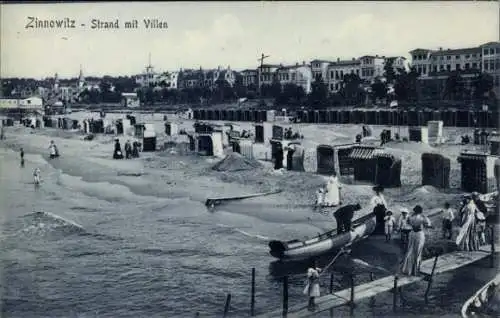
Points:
[56,82]
[81,79]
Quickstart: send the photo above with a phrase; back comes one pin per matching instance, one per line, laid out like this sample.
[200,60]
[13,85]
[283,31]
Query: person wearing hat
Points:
[403,226]
[467,239]
[389,222]
[413,257]
[379,206]
[448,217]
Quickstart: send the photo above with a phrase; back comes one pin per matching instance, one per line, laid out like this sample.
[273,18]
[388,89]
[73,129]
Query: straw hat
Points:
[404,210]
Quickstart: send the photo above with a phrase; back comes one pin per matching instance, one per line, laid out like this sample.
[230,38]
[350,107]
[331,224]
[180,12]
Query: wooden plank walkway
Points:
[446,262]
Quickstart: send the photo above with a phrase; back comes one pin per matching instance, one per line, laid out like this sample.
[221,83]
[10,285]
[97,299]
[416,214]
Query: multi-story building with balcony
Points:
[267,73]
[371,67]
[249,77]
[319,68]
[300,75]
[337,70]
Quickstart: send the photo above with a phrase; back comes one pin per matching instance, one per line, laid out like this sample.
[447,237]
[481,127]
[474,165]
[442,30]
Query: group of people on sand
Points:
[412,227]
[131,150]
[329,194]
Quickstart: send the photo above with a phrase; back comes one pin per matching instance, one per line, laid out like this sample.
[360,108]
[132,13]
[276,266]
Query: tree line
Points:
[400,85]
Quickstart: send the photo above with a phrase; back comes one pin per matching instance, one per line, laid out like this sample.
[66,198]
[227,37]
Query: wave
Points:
[260,237]
[43,223]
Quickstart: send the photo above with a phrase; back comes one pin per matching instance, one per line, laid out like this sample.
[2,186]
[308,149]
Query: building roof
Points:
[418,50]
[490,44]
[471,50]
[363,152]
[249,71]
[345,63]
[392,58]
[270,65]
[321,61]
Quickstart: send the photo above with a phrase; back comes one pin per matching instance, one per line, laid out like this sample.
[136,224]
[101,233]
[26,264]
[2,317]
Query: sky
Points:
[231,34]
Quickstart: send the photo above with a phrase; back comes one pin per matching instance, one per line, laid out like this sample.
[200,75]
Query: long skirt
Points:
[468,239]
[312,290]
[413,257]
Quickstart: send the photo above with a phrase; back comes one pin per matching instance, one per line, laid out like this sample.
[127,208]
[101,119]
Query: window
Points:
[414,57]
[457,67]
[357,72]
[331,74]
[492,51]
[434,58]
[474,65]
[336,74]
[448,57]
[457,57]
[441,67]
[485,51]
[337,86]
[498,50]
[467,66]
[441,58]
[331,86]
[448,67]
[473,56]
[467,56]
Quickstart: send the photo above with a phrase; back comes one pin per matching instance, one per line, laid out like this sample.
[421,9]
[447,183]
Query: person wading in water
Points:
[22,158]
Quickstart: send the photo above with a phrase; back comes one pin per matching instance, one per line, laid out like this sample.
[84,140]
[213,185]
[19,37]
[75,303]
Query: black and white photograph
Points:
[249,159]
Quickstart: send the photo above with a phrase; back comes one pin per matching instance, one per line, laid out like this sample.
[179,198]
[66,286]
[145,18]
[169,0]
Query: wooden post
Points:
[228,304]
[285,296]
[351,302]
[430,279]
[492,257]
[395,294]
[331,283]
[372,299]
[252,299]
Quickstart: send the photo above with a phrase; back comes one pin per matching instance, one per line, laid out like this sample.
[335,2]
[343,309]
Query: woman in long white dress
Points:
[416,241]
[332,195]
[467,239]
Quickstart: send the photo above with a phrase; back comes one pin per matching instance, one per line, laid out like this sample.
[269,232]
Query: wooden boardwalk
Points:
[446,262]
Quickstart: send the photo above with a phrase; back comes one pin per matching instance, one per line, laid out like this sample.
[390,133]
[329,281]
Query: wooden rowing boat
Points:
[324,243]
[217,201]
[485,302]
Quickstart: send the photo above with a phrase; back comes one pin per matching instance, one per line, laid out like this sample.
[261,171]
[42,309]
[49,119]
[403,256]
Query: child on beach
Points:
[448,217]
[36,176]
[320,196]
[389,222]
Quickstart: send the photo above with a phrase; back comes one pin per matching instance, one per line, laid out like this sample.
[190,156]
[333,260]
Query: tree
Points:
[319,93]
[454,86]
[351,92]
[482,84]
[379,90]
[405,86]
[389,73]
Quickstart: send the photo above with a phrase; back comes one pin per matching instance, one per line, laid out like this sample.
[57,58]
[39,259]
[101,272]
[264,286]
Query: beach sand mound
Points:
[236,162]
